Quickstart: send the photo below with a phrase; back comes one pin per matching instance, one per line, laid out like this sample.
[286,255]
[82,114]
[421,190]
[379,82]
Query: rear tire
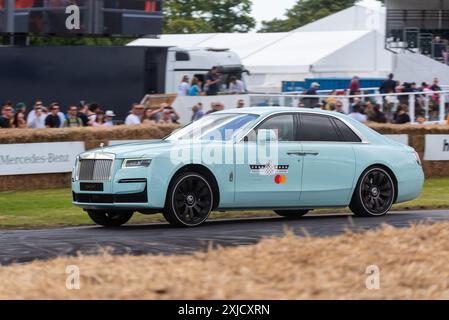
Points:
[374,194]
[189,200]
[291,213]
[110,218]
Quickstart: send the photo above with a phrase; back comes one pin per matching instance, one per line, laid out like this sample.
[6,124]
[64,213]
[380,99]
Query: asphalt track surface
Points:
[20,246]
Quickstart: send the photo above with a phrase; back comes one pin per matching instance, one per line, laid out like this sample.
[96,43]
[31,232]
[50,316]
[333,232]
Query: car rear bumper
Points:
[411,187]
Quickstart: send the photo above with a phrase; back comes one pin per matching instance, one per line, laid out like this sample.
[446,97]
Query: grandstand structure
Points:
[414,25]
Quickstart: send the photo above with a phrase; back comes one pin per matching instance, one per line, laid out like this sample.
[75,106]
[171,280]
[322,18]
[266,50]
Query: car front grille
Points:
[94,169]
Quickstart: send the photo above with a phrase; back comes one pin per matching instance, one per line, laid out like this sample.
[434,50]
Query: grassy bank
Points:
[408,263]
[53,207]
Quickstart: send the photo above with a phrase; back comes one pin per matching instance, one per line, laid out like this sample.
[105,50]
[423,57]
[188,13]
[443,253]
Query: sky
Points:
[270,9]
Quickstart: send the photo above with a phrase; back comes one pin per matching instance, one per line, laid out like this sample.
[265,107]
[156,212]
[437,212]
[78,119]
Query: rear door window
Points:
[317,128]
[346,132]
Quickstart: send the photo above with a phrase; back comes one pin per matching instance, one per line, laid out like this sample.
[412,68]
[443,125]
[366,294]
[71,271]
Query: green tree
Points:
[202,16]
[304,12]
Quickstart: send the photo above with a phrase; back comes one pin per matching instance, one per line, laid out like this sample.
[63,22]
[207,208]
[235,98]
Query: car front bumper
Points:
[126,189]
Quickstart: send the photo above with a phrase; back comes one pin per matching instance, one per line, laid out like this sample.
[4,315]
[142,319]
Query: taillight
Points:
[418,159]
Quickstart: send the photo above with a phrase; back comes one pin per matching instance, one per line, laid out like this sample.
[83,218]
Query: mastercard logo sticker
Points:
[280,179]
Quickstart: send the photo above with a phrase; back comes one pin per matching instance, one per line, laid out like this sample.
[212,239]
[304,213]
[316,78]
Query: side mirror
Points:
[266,136]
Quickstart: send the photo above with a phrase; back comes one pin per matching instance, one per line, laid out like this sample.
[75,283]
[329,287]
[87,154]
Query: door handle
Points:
[303,153]
[311,153]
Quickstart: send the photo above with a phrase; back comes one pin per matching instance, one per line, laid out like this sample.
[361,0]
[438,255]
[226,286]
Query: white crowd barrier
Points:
[431,106]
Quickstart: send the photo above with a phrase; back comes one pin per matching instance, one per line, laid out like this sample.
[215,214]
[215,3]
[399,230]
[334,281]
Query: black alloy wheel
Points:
[190,200]
[374,194]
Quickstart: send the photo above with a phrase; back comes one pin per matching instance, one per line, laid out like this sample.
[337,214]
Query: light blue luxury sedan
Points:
[283,159]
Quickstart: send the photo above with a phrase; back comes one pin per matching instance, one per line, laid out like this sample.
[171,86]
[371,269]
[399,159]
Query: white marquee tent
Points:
[347,43]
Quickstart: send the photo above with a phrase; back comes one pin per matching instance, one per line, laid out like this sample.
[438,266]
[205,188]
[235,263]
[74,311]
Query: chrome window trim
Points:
[363,139]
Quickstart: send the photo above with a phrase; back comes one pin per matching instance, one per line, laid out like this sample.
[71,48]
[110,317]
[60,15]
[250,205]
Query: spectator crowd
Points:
[40,116]
[391,109]
[211,85]
[83,115]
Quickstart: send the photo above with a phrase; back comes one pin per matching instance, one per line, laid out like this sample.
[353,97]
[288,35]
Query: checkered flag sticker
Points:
[270,169]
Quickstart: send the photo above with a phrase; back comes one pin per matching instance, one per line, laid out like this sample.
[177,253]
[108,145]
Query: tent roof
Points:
[243,44]
[300,50]
[275,50]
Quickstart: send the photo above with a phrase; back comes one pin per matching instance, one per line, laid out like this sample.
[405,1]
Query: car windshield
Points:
[220,127]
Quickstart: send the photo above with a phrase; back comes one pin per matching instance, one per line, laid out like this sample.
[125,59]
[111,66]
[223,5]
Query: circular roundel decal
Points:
[280,179]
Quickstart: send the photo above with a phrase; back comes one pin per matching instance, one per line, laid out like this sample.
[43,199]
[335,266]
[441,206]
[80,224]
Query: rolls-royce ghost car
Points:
[288,160]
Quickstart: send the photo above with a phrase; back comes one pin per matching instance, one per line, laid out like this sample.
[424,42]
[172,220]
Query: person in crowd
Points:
[215,106]
[19,121]
[166,118]
[377,115]
[53,119]
[236,86]
[174,116]
[339,107]
[354,85]
[184,86]
[357,114]
[100,119]
[330,101]
[435,85]
[389,85]
[438,48]
[73,121]
[136,113]
[195,88]
[92,112]
[404,88]
[213,82]
[83,113]
[402,116]
[198,112]
[109,118]
[6,117]
[445,55]
[149,115]
[424,87]
[310,102]
[37,121]
[356,103]
[369,109]
[240,103]
[398,86]
[32,114]
[20,108]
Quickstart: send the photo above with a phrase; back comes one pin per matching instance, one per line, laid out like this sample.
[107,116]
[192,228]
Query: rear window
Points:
[317,128]
[346,132]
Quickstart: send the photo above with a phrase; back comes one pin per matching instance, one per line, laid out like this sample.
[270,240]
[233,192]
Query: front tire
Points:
[189,200]
[291,213]
[374,194]
[110,218]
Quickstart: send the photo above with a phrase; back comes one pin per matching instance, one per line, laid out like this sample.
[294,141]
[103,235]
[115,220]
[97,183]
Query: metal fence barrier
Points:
[423,107]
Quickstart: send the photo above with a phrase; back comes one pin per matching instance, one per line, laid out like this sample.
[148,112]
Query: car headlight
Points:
[136,163]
